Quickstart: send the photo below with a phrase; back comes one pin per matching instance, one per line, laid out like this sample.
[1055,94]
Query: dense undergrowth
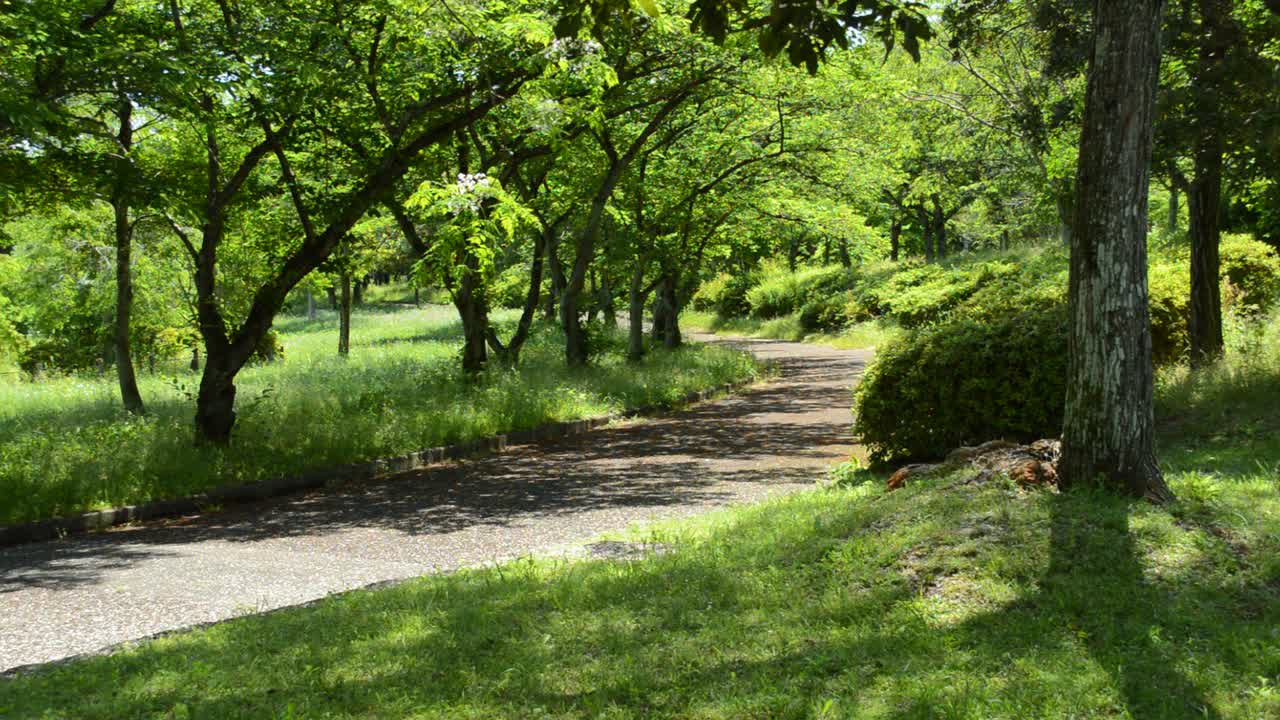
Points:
[66,446]
[942,600]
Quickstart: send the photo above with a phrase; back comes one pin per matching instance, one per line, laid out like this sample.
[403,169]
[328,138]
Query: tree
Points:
[1108,432]
[1217,101]
[251,110]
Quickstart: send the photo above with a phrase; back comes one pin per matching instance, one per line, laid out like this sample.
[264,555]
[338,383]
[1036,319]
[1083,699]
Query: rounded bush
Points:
[782,292]
[825,314]
[1250,274]
[964,382]
[733,301]
[708,295]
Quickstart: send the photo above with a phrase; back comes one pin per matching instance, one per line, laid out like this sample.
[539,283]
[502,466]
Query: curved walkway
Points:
[82,595]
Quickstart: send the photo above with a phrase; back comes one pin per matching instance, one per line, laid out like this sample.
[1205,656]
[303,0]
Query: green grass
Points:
[400,291]
[66,446]
[938,601]
[942,600]
[868,334]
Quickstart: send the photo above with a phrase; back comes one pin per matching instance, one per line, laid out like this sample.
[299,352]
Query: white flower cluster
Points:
[470,192]
[570,48]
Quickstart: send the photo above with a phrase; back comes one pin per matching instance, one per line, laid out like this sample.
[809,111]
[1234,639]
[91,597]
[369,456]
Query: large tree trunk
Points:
[344,317]
[667,290]
[1108,433]
[895,238]
[311,305]
[1205,196]
[635,315]
[658,323]
[470,302]
[608,310]
[216,401]
[939,226]
[926,227]
[129,393]
[1205,323]
[1063,203]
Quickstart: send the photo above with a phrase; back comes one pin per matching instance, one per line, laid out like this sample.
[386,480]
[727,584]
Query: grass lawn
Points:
[868,334]
[66,446]
[942,600]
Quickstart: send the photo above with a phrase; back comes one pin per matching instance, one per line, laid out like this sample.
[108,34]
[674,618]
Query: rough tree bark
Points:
[1108,433]
[120,202]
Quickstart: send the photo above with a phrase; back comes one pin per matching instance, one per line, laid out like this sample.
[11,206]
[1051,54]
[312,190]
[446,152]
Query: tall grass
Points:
[66,446]
[1232,406]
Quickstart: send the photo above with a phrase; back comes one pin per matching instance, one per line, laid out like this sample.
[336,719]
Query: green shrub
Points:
[825,313]
[1169,283]
[781,292]
[964,382]
[510,288]
[708,295]
[725,295]
[1250,274]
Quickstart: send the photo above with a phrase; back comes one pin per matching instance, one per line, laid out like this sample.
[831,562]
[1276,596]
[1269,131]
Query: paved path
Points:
[81,595]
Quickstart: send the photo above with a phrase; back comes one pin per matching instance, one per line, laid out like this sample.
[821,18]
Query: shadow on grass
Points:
[756,621]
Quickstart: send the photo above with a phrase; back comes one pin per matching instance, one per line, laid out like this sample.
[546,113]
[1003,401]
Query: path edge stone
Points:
[333,477]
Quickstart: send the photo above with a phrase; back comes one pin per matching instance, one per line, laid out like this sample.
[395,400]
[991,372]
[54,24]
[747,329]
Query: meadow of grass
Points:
[946,599]
[66,446]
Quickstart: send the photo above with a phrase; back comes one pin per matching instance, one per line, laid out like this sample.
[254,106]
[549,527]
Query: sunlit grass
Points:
[942,600]
[66,446]
[868,334]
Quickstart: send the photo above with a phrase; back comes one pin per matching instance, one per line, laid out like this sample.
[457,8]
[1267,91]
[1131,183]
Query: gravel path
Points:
[83,595]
